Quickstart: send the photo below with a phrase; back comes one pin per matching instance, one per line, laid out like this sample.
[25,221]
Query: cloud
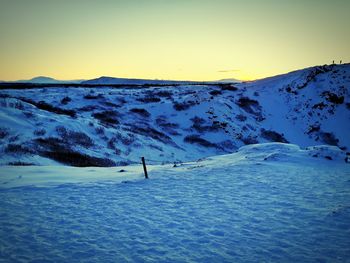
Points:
[228,70]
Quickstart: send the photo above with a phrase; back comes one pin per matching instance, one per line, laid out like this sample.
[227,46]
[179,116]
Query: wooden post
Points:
[144,167]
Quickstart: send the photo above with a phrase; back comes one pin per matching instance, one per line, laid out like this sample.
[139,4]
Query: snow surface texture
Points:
[265,203]
[105,126]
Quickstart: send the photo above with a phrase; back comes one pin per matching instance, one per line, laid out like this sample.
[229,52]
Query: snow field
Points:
[243,207]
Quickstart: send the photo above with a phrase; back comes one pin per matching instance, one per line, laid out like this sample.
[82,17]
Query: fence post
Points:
[144,167]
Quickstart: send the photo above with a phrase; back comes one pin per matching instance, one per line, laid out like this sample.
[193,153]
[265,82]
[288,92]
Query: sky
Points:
[170,39]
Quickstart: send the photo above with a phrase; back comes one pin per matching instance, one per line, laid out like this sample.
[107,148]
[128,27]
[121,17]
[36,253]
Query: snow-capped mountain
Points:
[106,126]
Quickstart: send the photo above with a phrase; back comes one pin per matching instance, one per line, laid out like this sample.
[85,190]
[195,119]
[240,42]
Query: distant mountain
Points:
[120,81]
[44,80]
[105,80]
[231,80]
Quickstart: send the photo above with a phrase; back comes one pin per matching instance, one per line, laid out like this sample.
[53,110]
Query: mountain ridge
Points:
[108,80]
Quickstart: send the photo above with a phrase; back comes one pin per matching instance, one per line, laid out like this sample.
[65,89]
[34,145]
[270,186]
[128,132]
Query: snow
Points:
[223,187]
[241,207]
[42,176]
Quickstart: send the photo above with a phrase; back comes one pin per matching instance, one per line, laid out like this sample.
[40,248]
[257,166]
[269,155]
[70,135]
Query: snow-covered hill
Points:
[105,126]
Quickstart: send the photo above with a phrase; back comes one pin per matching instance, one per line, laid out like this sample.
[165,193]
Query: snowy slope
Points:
[104,126]
[265,203]
[255,154]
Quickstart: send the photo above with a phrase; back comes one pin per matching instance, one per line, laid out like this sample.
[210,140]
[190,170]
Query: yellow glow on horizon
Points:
[180,40]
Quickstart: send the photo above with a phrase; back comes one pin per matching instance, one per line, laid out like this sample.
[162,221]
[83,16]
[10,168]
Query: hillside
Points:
[104,126]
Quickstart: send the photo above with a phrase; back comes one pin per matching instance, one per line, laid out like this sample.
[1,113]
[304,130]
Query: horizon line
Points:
[159,79]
